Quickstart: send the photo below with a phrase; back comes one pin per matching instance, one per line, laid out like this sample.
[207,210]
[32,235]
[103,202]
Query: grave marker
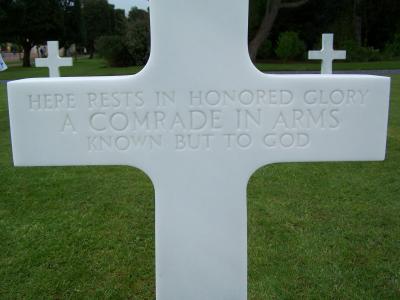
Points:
[199,119]
[327,54]
[53,60]
[3,65]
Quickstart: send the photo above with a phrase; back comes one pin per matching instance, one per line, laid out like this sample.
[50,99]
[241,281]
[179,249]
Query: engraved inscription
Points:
[232,119]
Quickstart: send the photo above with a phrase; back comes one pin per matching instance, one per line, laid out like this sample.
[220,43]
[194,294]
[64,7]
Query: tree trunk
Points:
[91,51]
[27,55]
[271,12]
[91,54]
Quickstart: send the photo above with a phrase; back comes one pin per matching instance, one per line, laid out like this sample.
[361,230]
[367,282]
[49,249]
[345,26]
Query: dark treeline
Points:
[359,25]
[282,29]
[83,23]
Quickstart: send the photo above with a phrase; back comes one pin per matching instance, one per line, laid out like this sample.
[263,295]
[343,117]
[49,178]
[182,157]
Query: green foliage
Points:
[73,32]
[30,23]
[392,49]
[37,21]
[378,21]
[98,16]
[359,53]
[132,46]
[290,46]
[138,40]
[119,22]
[265,51]
[113,49]
[137,14]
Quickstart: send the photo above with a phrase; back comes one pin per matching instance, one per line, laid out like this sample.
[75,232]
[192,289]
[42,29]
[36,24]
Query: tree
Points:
[138,41]
[272,8]
[119,22]
[98,17]
[73,23]
[114,50]
[136,14]
[30,23]
[138,35]
[130,42]
[379,21]
[357,22]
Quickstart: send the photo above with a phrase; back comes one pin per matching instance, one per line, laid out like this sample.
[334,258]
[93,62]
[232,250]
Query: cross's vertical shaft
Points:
[192,30]
[201,237]
[327,50]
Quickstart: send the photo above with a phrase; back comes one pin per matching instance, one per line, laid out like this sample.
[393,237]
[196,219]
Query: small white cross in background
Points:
[53,60]
[327,54]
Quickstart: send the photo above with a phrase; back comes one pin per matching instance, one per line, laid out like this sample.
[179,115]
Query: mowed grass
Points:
[81,67]
[98,67]
[316,231]
[337,66]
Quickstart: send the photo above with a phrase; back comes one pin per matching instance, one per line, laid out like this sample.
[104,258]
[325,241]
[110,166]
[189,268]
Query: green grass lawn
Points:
[316,231]
[82,67]
[98,67]
[337,66]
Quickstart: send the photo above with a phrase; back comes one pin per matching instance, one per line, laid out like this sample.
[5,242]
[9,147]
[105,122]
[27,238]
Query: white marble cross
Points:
[53,60]
[199,119]
[327,54]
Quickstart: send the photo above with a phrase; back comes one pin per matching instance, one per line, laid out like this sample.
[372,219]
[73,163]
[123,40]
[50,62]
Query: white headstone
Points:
[199,119]
[327,54]
[53,60]
[3,65]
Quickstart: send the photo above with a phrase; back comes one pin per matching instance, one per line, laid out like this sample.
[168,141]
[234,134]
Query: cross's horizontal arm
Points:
[130,120]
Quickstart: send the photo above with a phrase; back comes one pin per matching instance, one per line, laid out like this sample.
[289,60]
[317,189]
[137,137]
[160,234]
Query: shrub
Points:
[359,53]
[290,46]
[138,41]
[392,49]
[114,50]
